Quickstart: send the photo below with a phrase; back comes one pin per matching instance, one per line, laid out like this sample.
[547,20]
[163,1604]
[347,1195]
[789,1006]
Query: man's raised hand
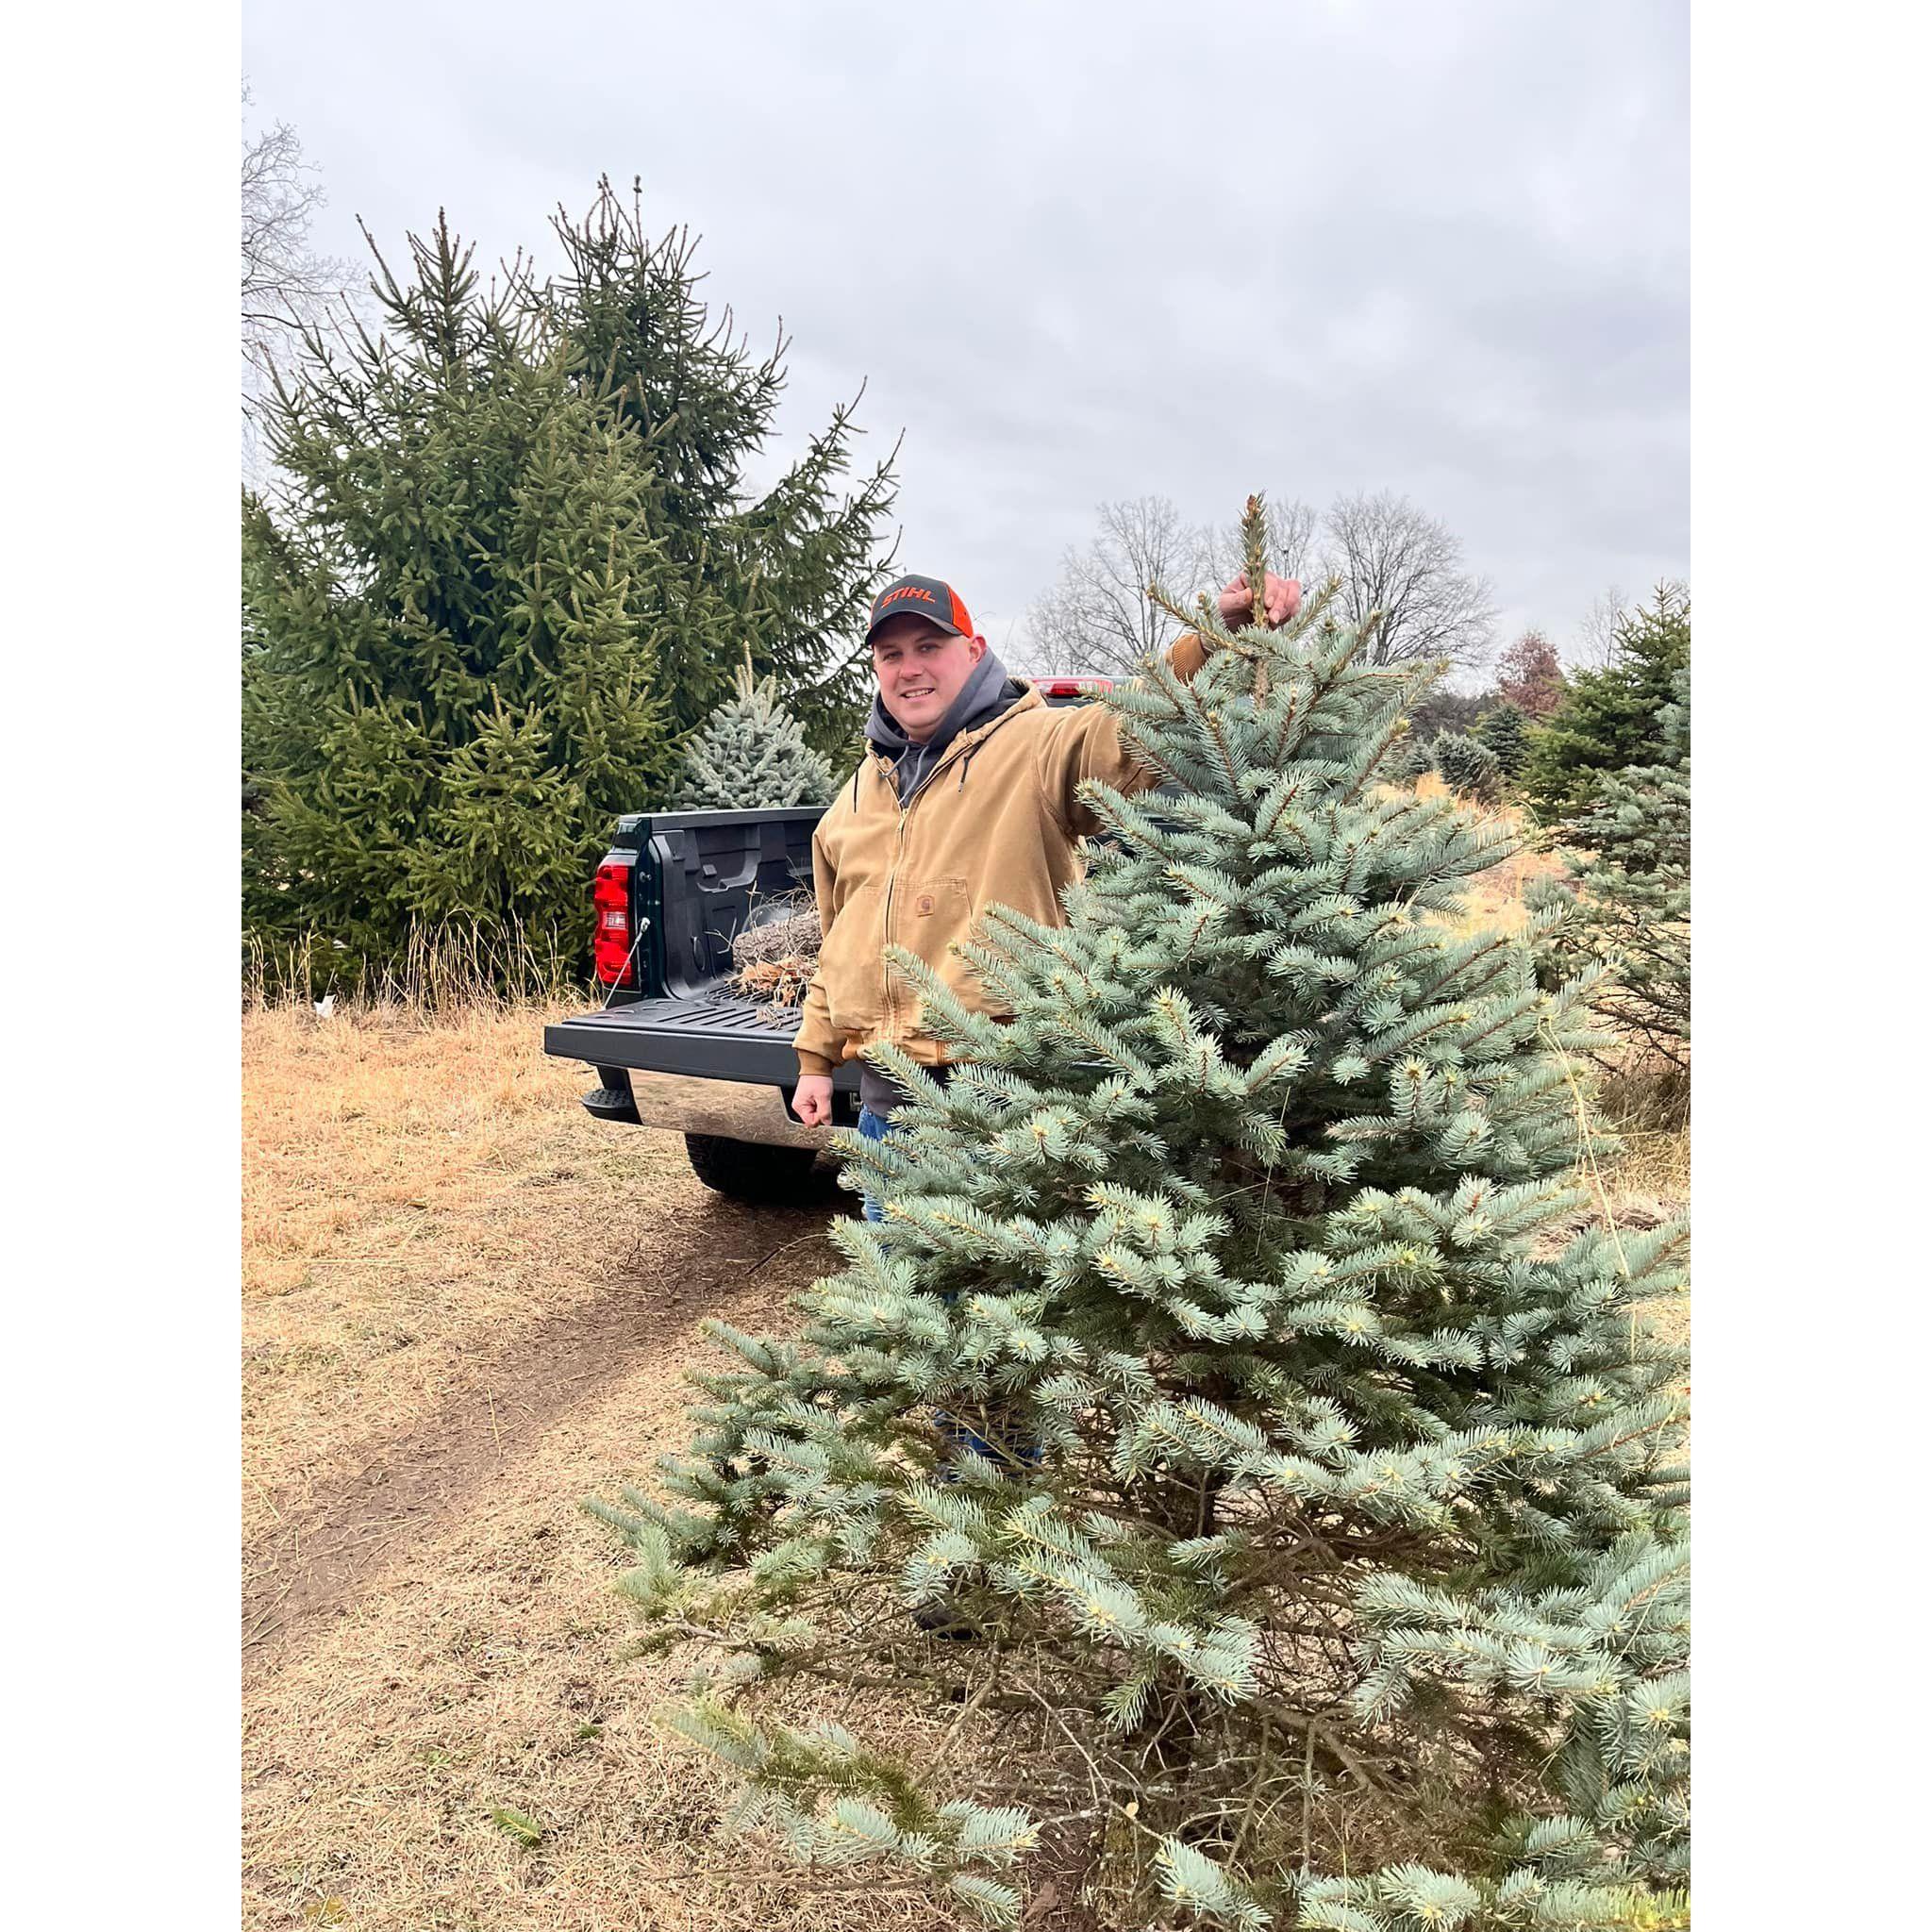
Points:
[1281,597]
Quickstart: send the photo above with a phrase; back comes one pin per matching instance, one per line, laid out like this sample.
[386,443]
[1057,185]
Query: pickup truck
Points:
[673,1046]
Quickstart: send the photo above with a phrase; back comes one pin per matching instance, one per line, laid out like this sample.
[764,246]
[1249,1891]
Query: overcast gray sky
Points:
[1093,252]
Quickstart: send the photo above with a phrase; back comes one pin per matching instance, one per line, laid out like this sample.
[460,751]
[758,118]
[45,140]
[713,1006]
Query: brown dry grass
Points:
[466,1305]
[396,1214]
[487,1673]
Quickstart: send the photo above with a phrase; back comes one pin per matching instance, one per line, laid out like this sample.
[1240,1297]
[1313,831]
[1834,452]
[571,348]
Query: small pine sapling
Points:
[1413,757]
[1628,908]
[752,754]
[1502,731]
[1469,767]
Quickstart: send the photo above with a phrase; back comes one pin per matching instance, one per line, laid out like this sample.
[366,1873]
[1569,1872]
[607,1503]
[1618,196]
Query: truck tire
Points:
[749,1172]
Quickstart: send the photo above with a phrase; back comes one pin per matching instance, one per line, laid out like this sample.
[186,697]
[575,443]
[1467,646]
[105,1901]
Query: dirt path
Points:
[466,1307]
[316,1562]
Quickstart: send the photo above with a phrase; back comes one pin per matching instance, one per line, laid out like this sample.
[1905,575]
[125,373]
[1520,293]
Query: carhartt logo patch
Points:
[925,904]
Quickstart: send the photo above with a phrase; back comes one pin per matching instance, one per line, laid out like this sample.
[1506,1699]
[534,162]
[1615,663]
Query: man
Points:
[967,799]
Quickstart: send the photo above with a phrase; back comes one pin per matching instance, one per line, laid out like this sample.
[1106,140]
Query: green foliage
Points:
[1604,1664]
[1309,1469]
[831,1801]
[752,753]
[510,564]
[1469,767]
[520,1826]
[1607,720]
[1414,756]
[1629,906]
[1504,734]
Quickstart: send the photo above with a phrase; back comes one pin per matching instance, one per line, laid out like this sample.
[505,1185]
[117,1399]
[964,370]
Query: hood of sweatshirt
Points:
[987,694]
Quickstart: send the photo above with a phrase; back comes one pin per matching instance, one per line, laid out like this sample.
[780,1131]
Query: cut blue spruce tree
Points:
[1326,1557]
[752,753]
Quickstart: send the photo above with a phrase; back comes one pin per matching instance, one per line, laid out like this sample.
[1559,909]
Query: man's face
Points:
[921,670]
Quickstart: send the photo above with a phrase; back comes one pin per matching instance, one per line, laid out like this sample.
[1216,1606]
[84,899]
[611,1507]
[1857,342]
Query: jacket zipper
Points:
[961,746]
[892,881]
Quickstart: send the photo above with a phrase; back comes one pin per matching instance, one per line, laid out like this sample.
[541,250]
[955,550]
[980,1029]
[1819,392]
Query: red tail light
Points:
[1074,686]
[610,896]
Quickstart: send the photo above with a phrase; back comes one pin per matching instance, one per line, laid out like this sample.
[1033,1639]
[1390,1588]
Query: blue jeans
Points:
[873,1126]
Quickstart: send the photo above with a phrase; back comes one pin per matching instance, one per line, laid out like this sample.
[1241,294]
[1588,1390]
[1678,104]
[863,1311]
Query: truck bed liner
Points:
[713,1036]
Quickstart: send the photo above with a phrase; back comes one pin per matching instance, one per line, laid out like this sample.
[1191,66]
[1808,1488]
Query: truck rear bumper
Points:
[705,1064]
[729,1108]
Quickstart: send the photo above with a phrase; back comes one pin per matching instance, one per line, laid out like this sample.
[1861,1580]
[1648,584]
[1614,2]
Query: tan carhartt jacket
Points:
[994,824]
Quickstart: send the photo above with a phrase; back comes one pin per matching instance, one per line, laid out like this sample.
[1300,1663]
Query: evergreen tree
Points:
[1630,902]
[1294,1464]
[1413,756]
[1501,731]
[1608,718]
[1469,767]
[752,753]
[510,565]
[796,567]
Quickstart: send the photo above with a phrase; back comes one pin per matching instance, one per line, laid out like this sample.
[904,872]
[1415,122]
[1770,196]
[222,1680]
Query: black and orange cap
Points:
[926,597]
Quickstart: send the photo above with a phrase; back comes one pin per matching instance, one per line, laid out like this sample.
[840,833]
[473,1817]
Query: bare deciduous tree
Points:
[1396,559]
[285,285]
[1596,645]
[1389,555]
[1098,617]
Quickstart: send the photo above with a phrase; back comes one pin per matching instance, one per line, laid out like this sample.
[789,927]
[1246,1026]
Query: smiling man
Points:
[967,798]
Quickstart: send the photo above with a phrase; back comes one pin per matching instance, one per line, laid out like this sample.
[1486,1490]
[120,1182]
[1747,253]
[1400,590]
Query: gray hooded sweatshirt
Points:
[984,697]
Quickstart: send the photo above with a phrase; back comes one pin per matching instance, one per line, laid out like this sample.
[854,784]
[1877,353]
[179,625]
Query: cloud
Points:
[1085,254]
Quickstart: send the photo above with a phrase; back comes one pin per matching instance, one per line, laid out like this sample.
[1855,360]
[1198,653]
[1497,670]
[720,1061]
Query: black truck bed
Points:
[674,1051]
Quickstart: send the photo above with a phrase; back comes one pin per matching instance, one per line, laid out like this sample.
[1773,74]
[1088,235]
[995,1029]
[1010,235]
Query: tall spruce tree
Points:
[1607,719]
[795,565]
[1628,907]
[1310,1481]
[752,753]
[511,561]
